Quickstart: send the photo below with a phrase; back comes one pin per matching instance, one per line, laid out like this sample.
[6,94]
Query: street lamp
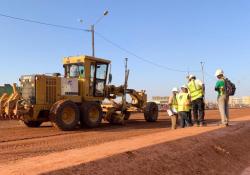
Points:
[92,30]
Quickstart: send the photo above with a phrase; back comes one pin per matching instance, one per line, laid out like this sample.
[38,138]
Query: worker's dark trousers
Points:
[190,117]
[184,120]
[198,106]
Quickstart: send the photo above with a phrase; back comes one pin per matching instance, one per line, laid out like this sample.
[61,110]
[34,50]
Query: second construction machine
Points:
[74,98]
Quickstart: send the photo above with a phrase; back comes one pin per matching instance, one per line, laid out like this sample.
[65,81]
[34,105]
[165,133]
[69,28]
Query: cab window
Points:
[101,71]
[81,71]
[92,78]
[101,74]
[74,71]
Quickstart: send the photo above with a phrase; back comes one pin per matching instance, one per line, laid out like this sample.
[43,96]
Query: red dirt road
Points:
[18,144]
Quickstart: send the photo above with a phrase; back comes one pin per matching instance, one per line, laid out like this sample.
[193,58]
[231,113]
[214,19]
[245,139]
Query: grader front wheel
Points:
[65,115]
[151,112]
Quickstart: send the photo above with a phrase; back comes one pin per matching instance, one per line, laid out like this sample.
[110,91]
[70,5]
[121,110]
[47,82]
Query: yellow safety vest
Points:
[195,90]
[182,100]
[189,107]
[174,103]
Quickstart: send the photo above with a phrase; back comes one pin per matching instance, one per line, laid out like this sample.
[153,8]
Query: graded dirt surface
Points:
[136,148]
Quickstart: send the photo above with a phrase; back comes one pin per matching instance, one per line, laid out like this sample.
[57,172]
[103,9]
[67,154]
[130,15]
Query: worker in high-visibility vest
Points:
[183,100]
[197,91]
[173,107]
[190,109]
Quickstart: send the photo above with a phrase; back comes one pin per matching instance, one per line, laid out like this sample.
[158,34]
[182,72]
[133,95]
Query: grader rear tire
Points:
[91,114]
[32,124]
[151,112]
[65,115]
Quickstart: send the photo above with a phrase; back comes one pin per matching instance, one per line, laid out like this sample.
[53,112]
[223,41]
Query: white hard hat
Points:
[219,72]
[191,76]
[184,86]
[175,89]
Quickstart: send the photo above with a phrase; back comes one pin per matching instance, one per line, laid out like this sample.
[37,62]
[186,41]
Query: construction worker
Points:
[196,89]
[183,100]
[190,110]
[173,107]
[223,98]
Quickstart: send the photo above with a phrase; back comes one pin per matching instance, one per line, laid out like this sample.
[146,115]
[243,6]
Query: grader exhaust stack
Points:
[124,100]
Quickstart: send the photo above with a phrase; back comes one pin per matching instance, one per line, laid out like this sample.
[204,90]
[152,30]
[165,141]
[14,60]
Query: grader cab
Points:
[74,98]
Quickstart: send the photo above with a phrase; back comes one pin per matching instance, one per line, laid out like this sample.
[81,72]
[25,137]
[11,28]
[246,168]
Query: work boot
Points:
[197,125]
[202,124]
[223,124]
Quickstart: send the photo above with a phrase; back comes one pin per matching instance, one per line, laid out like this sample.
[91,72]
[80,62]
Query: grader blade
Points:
[3,100]
[8,104]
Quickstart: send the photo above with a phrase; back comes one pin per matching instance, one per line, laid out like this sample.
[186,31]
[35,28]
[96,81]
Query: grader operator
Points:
[75,98]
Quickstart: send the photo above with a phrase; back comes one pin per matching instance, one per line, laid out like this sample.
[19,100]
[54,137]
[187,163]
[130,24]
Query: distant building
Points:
[246,100]
[211,104]
[235,101]
[160,99]
[239,101]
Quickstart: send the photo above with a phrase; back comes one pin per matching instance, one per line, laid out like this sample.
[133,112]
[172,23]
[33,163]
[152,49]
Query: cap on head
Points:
[219,72]
[191,77]
[175,89]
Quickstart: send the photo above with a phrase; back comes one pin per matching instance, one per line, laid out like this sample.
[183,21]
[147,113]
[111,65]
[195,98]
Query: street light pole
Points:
[203,78]
[202,70]
[92,30]
[93,39]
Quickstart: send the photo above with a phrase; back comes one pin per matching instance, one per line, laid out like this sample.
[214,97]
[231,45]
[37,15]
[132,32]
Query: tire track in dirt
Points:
[225,151]
[73,157]
[29,142]
[12,151]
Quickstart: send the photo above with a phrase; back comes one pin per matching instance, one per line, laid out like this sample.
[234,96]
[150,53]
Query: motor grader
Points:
[75,98]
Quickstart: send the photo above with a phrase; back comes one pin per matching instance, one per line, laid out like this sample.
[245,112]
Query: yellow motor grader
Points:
[74,98]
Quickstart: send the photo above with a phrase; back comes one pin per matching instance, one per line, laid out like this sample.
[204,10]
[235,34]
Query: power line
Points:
[139,57]
[44,23]
[101,36]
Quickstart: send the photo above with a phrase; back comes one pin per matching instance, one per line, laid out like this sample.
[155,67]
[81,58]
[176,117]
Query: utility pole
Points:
[92,30]
[202,70]
[203,78]
[188,73]
[93,39]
